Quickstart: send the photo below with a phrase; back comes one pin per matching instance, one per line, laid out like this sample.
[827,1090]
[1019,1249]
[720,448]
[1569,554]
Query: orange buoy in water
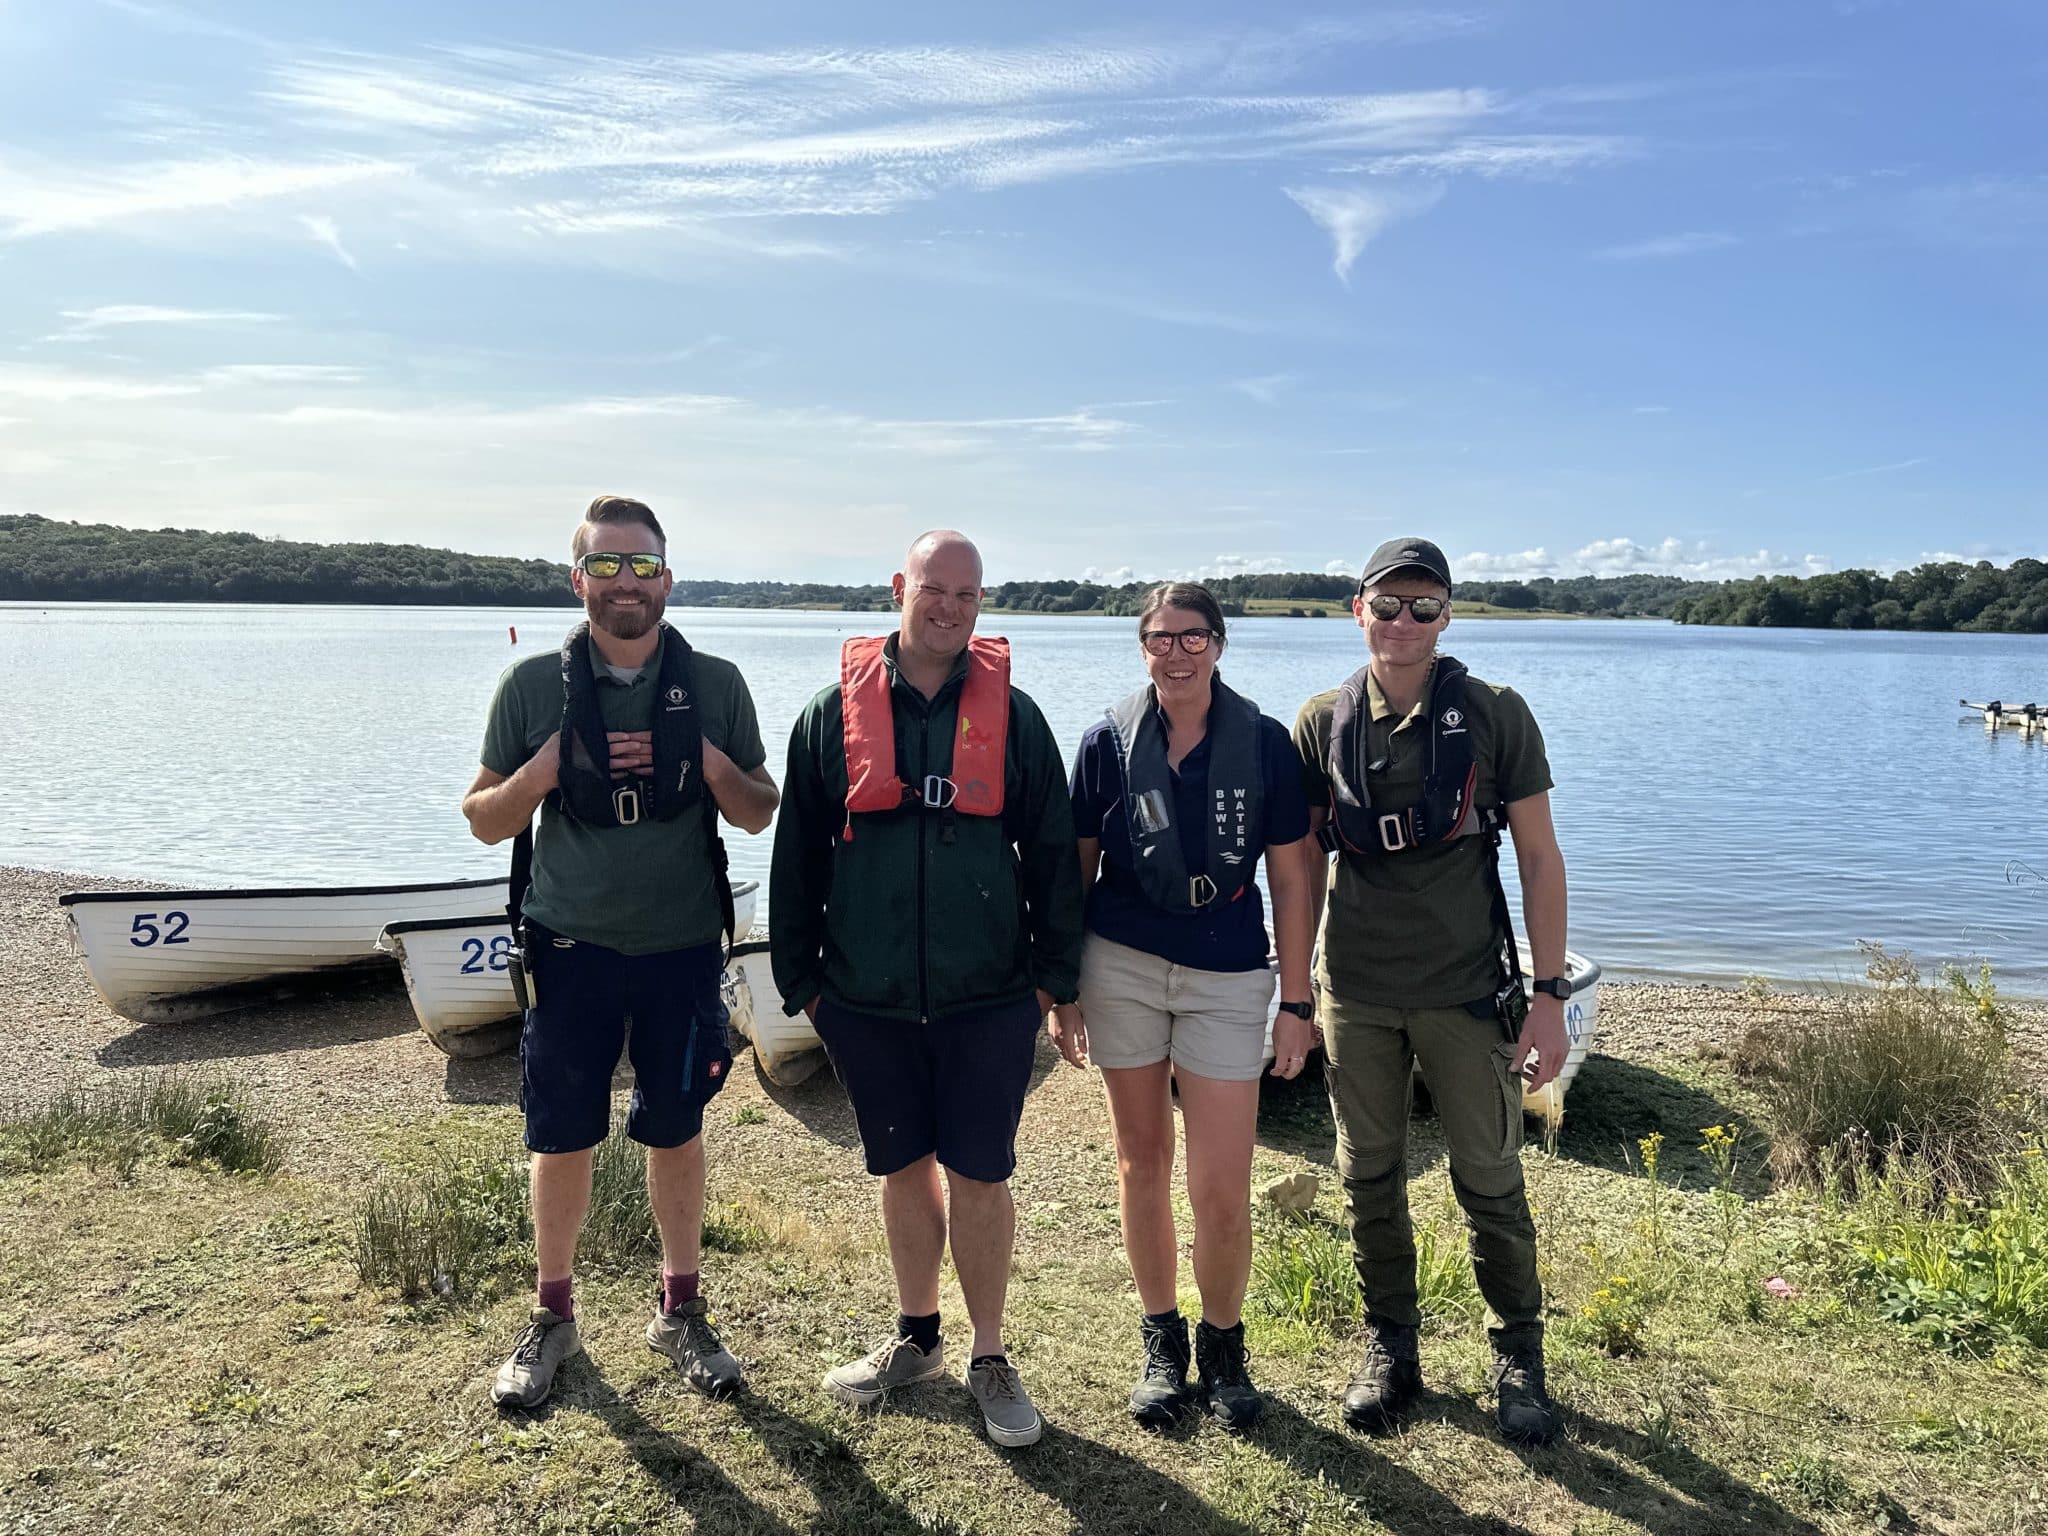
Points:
[513,631]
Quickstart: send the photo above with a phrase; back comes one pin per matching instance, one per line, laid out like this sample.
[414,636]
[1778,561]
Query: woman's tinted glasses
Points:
[1426,610]
[1192,641]
[604,564]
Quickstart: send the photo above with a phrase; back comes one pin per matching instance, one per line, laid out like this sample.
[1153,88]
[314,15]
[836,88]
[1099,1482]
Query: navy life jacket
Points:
[1235,790]
[1449,777]
[585,789]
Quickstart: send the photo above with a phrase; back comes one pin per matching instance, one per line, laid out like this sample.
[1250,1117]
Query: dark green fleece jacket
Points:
[922,914]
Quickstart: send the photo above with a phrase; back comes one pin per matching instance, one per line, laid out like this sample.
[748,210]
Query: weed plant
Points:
[1906,1070]
[1302,1272]
[114,1124]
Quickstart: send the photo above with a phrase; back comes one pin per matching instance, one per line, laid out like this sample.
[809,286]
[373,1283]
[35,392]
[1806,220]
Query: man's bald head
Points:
[939,591]
[941,547]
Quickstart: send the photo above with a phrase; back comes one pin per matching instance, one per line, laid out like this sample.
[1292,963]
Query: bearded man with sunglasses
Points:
[630,745]
[1413,767]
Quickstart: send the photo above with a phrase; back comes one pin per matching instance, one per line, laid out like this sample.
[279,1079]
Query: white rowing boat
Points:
[458,974]
[161,957]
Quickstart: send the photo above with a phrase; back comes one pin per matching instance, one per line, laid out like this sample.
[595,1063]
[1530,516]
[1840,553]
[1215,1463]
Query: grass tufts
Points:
[193,1119]
[447,1233]
[1907,1071]
[1302,1273]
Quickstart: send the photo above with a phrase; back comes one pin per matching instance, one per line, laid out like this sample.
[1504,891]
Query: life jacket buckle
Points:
[626,804]
[1394,832]
[939,792]
[1201,890]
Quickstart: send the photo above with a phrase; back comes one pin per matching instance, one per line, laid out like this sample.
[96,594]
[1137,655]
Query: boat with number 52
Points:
[162,957]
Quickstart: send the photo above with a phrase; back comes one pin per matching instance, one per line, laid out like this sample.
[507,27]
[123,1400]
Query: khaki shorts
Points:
[1141,1009]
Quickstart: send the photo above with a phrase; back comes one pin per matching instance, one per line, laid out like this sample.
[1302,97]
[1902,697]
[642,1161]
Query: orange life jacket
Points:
[974,784]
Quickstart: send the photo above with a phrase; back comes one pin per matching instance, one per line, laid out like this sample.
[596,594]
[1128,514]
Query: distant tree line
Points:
[66,562]
[1946,595]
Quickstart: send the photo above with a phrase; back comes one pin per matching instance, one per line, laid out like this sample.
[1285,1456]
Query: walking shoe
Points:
[1388,1378]
[1522,1407]
[1223,1387]
[525,1379]
[687,1337]
[1006,1410]
[1162,1391]
[898,1363]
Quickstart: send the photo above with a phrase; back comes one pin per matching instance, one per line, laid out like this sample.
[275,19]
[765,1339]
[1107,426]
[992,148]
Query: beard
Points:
[627,622]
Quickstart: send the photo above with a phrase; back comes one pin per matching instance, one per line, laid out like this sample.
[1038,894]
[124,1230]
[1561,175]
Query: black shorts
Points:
[583,996]
[954,1086]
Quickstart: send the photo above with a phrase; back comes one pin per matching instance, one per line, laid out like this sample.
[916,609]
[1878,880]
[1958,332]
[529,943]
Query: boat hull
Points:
[458,975]
[161,957]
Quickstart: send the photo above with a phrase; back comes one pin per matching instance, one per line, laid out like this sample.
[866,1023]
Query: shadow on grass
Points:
[1607,1467]
[1353,1465]
[343,1010]
[1615,1103]
[1294,1115]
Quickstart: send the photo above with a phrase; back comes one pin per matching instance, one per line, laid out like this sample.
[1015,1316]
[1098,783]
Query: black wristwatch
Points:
[1557,986]
[1299,1010]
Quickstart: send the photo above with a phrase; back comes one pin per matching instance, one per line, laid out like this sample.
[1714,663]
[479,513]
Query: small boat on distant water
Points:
[2000,716]
[162,957]
[458,974]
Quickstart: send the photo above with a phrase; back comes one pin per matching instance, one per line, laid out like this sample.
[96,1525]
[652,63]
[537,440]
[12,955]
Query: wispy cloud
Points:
[1354,216]
[104,317]
[65,386]
[1267,388]
[57,199]
[1691,243]
[327,233]
[1651,410]
[283,373]
[1876,469]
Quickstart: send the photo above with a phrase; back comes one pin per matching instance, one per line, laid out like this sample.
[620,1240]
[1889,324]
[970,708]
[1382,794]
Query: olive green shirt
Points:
[642,889]
[1415,929]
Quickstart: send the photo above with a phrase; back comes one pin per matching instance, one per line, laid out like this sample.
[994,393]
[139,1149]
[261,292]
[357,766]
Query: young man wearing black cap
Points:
[1413,767]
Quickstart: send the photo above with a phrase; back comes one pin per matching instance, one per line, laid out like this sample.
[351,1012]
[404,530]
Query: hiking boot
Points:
[687,1337]
[1162,1391]
[1522,1407]
[1222,1386]
[1006,1410]
[525,1379]
[898,1363]
[1388,1378]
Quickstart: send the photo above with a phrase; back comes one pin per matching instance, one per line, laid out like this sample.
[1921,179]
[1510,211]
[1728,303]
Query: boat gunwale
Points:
[277,893]
[408,925]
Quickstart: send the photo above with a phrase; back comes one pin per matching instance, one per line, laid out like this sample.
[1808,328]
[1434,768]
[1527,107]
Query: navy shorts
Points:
[569,1048]
[954,1086]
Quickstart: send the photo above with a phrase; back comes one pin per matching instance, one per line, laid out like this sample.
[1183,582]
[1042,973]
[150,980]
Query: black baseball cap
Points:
[1407,554]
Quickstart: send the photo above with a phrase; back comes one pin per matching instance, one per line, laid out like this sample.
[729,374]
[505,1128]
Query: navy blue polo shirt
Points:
[1225,936]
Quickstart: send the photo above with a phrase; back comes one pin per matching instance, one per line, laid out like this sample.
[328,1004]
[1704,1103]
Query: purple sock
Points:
[555,1296]
[677,1289]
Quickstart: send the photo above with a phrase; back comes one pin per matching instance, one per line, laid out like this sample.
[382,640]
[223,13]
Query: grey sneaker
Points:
[687,1337]
[525,1379]
[1006,1409]
[898,1363]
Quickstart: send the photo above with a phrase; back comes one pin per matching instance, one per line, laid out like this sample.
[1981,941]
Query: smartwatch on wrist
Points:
[1299,1010]
[1557,986]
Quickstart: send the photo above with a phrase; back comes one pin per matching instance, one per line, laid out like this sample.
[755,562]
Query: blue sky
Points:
[1122,290]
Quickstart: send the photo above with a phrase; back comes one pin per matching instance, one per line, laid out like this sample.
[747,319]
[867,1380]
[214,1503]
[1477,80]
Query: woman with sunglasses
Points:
[1178,794]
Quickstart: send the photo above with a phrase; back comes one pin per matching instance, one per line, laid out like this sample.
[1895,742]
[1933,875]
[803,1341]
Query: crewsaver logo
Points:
[678,696]
[974,735]
[1453,719]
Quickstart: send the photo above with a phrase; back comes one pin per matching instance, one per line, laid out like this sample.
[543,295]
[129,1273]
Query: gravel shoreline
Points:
[347,1054]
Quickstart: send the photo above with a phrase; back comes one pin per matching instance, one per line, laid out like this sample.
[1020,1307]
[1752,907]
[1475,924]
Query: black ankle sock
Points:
[1170,1318]
[921,1331]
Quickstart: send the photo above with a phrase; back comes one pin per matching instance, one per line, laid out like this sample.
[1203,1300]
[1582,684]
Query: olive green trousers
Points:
[1372,1052]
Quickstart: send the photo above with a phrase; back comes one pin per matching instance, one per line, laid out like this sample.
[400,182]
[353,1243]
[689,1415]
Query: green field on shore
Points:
[188,1350]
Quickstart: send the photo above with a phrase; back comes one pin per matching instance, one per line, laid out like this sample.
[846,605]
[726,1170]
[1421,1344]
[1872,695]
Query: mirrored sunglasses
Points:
[604,564]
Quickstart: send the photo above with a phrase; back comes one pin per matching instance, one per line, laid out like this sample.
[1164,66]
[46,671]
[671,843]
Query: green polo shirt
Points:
[643,889]
[1415,929]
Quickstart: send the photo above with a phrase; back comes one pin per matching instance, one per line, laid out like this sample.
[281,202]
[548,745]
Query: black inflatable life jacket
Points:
[1450,776]
[1235,791]
[585,790]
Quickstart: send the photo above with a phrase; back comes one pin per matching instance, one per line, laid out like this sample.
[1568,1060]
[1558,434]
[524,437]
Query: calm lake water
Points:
[1731,802]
